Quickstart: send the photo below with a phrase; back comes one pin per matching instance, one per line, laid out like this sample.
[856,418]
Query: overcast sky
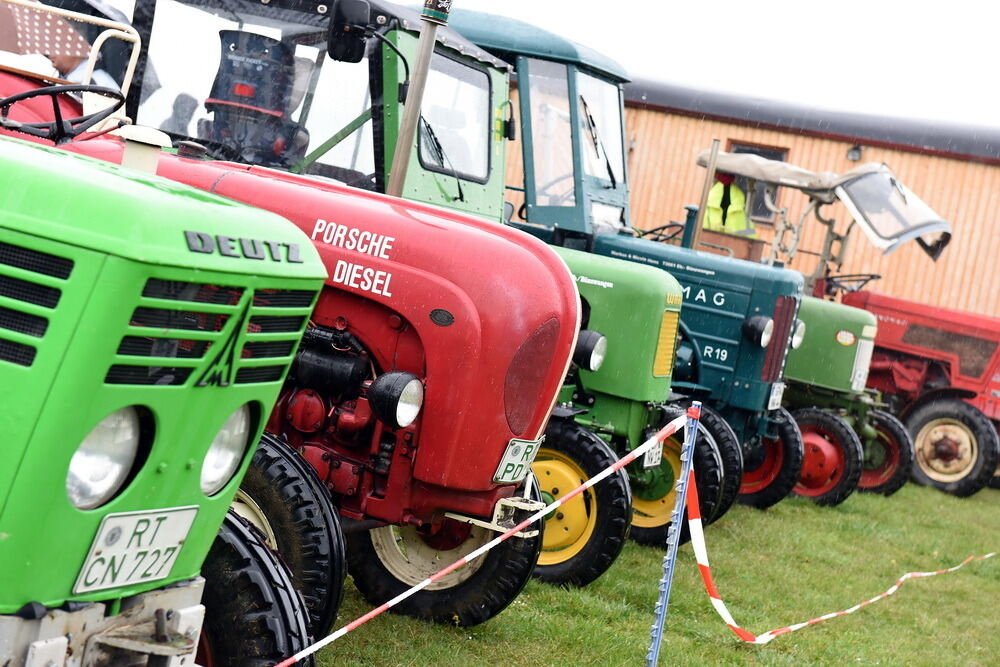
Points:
[913,58]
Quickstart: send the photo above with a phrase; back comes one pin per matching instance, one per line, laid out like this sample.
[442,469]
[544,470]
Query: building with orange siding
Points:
[955,169]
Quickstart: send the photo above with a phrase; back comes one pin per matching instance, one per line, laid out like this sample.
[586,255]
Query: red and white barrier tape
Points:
[669,429]
[701,556]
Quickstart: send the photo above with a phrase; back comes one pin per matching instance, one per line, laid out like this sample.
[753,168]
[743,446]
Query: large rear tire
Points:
[773,469]
[955,444]
[888,456]
[832,461]
[282,497]
[253,615]
[388,560]
[583,537]
[654,491]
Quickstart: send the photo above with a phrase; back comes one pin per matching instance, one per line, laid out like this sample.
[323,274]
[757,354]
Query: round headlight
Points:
[591,348]
[799,335]
[396,397]
[226,451]
[759,329]
[102,462]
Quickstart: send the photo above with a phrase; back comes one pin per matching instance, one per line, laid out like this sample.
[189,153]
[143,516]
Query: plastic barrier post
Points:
[673,535]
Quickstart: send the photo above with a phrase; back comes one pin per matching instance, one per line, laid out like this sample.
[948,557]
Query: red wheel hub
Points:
[449,535]
[946,449]
[763,475]
[822,463]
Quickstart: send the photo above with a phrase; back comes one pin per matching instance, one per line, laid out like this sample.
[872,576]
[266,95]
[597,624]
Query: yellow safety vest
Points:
[736,221]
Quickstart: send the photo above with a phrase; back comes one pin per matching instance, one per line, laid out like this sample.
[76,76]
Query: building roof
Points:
[504,35]
[969,142]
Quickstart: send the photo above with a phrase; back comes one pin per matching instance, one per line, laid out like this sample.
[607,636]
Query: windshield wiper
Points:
[442,158]
[899,189]
[595,137]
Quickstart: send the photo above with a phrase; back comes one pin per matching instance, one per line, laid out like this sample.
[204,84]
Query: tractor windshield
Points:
[552,142]
[890,213]
[601,120]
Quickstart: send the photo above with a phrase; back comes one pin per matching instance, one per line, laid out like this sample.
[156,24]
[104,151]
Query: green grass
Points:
[774,568]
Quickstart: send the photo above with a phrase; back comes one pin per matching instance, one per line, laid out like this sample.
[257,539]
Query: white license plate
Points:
[516,461]
[135,547]
[777,391]
[653,456]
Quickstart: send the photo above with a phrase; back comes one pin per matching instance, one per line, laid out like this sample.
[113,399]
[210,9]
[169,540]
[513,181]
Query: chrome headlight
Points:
[102,462]
[226,451]
[759,329]
[799,334]
[396,397]
[591,348]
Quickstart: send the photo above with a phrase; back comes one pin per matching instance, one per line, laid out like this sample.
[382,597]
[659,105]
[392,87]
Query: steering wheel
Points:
[61,129]
[849,282]
[543,190]
[661,234]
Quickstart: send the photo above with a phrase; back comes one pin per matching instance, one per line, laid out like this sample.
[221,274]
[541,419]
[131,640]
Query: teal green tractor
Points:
[827,375]
[135,381]
[738,319]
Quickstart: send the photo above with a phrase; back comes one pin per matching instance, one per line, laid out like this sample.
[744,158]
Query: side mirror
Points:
[349,20]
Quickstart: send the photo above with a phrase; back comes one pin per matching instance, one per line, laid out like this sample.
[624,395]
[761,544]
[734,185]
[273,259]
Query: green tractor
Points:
[738,318]
[827,375]
[135,380]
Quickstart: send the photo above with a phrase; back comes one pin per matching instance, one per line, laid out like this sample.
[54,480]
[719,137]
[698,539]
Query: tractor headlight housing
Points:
[226,452]
[104,460]
[759,329]
[799,334]
[396,398]
[591,348]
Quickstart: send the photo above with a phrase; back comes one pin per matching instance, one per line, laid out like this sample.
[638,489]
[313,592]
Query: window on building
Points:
[760,212]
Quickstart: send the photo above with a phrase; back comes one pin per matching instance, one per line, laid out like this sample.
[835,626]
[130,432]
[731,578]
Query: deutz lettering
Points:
[362,277]
[351,238]
[718,298]
[234,246]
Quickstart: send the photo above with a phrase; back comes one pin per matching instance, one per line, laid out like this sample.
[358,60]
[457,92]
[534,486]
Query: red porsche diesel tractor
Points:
[421,388]
[940,370]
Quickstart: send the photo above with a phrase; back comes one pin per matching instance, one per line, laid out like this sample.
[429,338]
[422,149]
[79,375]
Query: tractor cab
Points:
[572,131]
[887,211]
[256,83]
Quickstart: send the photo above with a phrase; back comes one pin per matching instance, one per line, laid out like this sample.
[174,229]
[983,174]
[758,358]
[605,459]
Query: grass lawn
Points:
[773,568]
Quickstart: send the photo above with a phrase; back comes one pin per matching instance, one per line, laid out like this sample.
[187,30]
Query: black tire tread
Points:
[254,617]
[898,431]
[310,539]
[790,439]
[612,498]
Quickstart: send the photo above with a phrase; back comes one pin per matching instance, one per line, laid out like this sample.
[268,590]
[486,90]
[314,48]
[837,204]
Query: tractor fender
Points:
[935,394]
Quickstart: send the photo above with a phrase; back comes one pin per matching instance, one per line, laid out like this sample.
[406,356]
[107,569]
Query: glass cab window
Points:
[551,134]
[601,128]
[454,135]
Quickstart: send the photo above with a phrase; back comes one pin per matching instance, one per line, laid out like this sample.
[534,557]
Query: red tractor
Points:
[419,394]
[941,370]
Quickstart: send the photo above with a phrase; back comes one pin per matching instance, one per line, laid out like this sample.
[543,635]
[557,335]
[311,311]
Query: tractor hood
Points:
[137,216]
[837,348]
[889,212]
[496,310]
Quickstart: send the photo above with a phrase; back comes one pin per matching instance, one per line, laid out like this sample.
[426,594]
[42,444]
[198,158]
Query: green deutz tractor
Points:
[827,375]
[738,318]
[135,379]
[347,129]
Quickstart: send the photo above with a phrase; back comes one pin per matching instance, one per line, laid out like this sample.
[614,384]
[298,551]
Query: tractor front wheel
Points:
[583,537]
[282,497]
[655,490]
[388,560]
[253,615]
[955,444]
[832,461]
[771,471]
[888,456]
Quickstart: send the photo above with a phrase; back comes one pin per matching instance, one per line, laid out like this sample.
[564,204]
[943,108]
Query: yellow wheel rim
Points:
[655,513]
[946,450]
[569,528]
